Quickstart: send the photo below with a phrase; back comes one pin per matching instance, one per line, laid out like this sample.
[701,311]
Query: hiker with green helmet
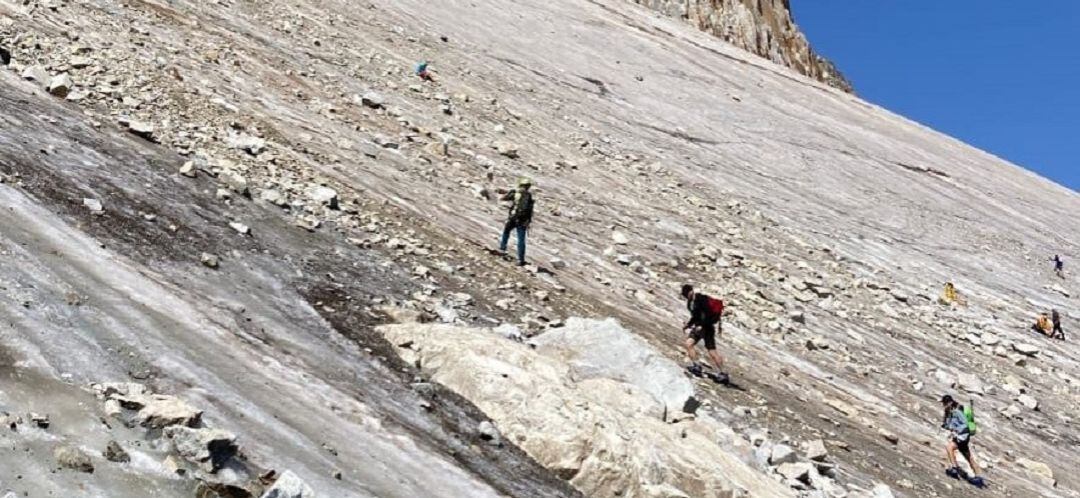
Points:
[519,217]
[960,422]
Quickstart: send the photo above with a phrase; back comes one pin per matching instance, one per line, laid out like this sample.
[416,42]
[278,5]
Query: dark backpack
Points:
[521,212]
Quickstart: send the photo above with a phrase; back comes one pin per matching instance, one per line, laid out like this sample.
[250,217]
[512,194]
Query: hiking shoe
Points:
[695,370]
[953,472]
[977,481]
[721,378]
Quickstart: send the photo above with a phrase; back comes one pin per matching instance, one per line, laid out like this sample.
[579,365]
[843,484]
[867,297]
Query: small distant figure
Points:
[423,72]
[1055,318]
[705,314]
[1059,266]
[1042,325]
[960,422]
[948,296]
[519,218]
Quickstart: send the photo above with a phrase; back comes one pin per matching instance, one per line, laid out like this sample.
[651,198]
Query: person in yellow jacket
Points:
[1043,325]
[949,295]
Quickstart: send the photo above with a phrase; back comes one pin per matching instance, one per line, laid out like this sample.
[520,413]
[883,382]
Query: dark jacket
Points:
[1055,318]
[699,311]
[521,211]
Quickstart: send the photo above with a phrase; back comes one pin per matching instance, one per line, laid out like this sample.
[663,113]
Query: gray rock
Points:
[1011,411]
[1025,349]
[240,228]
[1028,401]
[80,62]
[209,260]
[619,238]
[509,331]
[93,205]
[40,421]
[881,491]
[69,457]
[797,317]
[446,314]
[37,74]
[235,181]
[247,143]
[160,411]
[970,383]
[373,100]
[114,453]
[796,472]
[188,169]
[324,195]
[141,129]
[60,85]
[890,437]
[816,451]
[289,486]
[604,349]
[210,449]
[488,432]
[1038,470]
[782,453]
[557,264]
[817,343]
[507,150]
[384,142]
[273,197]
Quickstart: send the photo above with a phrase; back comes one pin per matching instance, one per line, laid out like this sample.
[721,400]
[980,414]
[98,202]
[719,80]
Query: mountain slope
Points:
[822,219]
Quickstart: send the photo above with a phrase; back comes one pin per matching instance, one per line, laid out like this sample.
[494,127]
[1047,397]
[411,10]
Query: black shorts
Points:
[706,333]
[963,446]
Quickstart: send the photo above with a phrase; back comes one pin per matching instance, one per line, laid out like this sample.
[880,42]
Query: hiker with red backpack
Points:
[960,422]
[704,323]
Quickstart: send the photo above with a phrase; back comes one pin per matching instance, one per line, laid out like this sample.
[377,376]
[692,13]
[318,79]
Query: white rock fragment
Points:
[208,260]
[289,486]
[325,196]
[94,206]
[60,85]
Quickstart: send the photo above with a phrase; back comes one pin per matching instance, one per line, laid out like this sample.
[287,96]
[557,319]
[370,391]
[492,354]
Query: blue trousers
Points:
[521,229]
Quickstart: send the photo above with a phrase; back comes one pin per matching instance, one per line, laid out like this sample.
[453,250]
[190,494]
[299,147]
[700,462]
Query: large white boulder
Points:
[600,433]
[604,349]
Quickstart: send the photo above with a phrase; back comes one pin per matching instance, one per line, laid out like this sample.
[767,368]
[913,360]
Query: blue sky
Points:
[1002,75]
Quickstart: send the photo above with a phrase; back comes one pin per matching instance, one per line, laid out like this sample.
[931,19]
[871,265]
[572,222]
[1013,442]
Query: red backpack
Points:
[715,307]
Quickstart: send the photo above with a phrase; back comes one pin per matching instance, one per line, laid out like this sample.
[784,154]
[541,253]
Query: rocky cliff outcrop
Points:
[764,27]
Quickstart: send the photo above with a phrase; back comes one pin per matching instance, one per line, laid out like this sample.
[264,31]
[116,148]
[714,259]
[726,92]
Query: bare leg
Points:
[971,461]
[691,351]
[717,360]
[950,454]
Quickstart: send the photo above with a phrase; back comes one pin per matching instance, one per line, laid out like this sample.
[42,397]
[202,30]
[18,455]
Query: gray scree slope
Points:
[824,220]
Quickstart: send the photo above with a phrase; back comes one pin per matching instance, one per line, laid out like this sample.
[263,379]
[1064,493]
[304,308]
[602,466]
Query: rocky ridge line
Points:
[763,27]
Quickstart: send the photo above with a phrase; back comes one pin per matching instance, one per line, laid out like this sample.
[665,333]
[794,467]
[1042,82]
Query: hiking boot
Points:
[695,369]
[953,472]
[721,378]
[977,481]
